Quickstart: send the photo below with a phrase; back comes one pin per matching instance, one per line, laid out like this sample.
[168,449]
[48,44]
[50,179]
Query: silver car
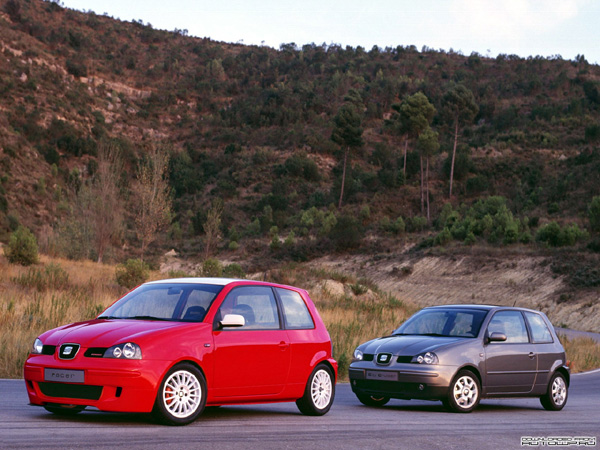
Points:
[461,353]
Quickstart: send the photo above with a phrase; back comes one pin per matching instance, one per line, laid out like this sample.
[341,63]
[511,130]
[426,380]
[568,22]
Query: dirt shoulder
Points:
[521,280]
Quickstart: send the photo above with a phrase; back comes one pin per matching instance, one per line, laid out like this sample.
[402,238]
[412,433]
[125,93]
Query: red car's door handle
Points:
[284,345]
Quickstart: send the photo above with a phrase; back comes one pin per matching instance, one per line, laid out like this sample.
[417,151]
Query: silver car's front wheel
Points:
[181,396]
[556,397]
[464,392]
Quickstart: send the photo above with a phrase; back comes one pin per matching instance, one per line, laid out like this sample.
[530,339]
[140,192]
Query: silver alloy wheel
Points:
[465,392]
[182,394]
[559,391]
[321,389]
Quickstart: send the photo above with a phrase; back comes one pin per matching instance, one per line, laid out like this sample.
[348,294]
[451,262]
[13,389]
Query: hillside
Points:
[252,127]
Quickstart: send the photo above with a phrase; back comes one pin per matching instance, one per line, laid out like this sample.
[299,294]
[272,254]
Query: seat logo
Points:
[384,358]
[68,351]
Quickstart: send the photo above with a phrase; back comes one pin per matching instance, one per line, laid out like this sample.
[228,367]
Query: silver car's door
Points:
[510,365]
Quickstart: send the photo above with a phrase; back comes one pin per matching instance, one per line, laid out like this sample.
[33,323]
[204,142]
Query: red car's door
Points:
[253,359]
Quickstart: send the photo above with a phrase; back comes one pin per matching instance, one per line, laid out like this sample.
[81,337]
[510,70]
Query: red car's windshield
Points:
[168,301]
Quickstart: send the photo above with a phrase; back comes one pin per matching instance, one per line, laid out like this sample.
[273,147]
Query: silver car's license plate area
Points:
[380,375]
[64,376]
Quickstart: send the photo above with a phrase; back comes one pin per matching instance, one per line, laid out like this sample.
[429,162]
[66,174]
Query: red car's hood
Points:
[105,333]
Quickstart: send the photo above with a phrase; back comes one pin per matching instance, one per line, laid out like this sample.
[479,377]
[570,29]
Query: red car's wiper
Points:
[145,318]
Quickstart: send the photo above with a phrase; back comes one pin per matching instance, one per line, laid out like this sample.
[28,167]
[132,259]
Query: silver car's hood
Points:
[409,345]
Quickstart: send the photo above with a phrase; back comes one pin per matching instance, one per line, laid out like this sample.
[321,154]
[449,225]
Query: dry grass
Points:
[583,353]
[350,319]
[56,292]
[31,302]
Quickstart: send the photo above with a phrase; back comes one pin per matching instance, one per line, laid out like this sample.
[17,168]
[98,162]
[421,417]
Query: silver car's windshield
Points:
[451,322]
[168,301]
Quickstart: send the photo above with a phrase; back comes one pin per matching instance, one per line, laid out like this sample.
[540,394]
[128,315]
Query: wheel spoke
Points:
[465,392]
[182,394]
[321,389]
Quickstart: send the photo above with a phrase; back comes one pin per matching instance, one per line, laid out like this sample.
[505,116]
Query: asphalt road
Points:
[496,424]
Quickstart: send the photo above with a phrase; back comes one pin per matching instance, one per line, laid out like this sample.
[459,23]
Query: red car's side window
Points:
[295,312]
[256,304]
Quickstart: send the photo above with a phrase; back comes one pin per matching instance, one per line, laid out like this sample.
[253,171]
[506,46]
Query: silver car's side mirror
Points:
[232,321]
[497,337]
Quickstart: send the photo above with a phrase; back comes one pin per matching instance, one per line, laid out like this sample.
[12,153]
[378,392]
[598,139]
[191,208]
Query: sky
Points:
[489,27]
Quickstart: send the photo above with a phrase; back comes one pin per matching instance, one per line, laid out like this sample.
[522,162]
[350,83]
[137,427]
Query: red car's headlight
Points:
[129,350]
[37,348]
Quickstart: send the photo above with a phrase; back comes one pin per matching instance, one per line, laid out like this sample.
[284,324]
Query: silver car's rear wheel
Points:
[556,397]
[464,392]
[181,396]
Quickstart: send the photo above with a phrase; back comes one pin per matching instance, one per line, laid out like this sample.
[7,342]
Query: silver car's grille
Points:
[384,359]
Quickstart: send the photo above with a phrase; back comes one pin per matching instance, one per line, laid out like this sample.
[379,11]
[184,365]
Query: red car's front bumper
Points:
[109,384]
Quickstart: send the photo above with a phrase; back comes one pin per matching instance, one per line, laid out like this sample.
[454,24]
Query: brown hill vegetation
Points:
[250,128]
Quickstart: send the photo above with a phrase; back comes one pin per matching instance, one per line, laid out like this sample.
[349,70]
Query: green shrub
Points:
[553,235]
[133,273]
[212,267]
[290,240]
[594,214]
[22,247]
[275,242]
[443,237]
[234,270]
[346,234]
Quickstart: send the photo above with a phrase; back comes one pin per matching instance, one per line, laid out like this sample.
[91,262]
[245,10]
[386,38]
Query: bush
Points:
[594,214]
[212,267]
[443,237]
[346,234]
[553,235]
[133,273]
[22,247]
[234,270]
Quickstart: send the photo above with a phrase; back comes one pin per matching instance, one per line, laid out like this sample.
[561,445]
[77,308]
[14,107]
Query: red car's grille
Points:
[48,349]
[95,352]
[65,390]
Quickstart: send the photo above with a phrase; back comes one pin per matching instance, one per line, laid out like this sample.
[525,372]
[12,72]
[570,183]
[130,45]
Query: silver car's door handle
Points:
[531,355]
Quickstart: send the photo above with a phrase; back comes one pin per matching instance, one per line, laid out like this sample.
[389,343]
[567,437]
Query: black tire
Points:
[319,392]
[181,395]
[556,397]
[371,400]
[64,410]
[464,392]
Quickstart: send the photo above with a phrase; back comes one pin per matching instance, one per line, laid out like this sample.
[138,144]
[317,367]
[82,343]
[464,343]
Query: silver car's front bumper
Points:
[404,381]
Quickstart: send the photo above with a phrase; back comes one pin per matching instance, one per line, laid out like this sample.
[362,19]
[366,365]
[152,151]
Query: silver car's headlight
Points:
[357,356]
[37,348]
[129,350]
[425,358]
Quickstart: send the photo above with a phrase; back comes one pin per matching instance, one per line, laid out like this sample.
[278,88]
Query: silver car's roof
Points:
[483,307]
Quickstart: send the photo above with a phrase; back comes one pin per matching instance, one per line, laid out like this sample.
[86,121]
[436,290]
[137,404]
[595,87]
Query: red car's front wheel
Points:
[181,396]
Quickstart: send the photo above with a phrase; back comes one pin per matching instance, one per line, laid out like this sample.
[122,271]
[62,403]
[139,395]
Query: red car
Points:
[173,347]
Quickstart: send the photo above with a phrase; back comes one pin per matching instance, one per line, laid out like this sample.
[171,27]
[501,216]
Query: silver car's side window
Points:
[539,330]
[510,323]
